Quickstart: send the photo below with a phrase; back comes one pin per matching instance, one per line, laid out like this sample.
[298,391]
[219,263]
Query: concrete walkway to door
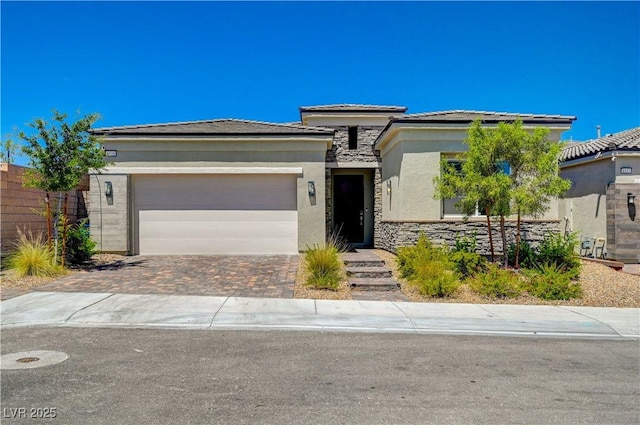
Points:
[263,276]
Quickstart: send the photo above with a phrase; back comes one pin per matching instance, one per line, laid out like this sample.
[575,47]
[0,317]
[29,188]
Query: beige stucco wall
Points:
[307,154]
[411,159]
[584,207]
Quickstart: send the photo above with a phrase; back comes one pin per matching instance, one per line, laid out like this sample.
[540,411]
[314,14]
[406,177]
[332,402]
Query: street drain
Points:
[31,359]
[27,359]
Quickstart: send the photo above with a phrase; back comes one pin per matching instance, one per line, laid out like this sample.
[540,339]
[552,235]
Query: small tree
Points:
[507,168]
[480,182]
[8,150]
[535,170]
[60,154]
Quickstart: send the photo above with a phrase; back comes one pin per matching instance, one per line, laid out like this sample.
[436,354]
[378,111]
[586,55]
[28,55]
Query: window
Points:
[353,138]
[449,205]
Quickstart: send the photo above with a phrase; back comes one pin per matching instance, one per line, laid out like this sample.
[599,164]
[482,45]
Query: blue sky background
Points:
[151,62]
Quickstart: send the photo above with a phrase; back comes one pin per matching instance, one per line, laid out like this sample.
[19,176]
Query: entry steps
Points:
[367,272]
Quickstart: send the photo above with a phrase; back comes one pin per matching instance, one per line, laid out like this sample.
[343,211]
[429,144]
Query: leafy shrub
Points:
[324,267]
[33,257]
[496,283]
[468,264]
[527,256]
[559,250]
[80,246]
[409,257]
[435,279]
[550,282]
[465,243]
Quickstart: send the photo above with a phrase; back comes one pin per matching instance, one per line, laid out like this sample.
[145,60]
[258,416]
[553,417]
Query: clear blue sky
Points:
[151,62]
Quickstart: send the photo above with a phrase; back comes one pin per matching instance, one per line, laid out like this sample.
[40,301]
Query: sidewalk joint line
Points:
[87,306]
[407,316]
[218,311]
[591,318]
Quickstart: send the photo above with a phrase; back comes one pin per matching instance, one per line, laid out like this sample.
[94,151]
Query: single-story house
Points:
[230,186]
[601,204]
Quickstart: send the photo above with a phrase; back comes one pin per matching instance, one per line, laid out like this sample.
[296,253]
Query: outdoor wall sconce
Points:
[108,189]
[389,187]
[312,189]
[631,198]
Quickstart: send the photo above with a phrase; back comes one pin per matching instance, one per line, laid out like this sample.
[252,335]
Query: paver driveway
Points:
[239,276]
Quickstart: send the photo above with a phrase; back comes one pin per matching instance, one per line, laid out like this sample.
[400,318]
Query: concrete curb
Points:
[209,313]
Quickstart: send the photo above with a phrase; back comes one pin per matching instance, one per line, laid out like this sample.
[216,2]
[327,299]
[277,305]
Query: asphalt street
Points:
[143,376]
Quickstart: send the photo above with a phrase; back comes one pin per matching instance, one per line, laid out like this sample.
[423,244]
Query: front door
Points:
[348,207]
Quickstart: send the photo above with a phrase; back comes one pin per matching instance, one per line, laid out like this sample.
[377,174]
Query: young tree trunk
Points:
[486,210]
[517,263]
[64,228]
[49,236]
[503,233]
[56,233]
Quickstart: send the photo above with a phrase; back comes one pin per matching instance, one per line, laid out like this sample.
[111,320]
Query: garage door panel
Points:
[219,192]
[213,230]
[172,216]
[216,214]
[222,246]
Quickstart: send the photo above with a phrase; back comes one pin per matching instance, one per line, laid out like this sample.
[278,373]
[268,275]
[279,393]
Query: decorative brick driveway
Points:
[238,276]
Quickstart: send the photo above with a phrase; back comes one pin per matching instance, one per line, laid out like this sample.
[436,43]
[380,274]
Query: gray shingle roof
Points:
[489,117]
[213,127]
[628,140]
[352,107]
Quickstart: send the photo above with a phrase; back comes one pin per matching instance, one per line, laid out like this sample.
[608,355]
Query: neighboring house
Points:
[601,204]
[232,186]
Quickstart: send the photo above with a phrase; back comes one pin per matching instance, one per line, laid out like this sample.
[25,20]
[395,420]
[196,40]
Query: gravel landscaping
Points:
[601,286]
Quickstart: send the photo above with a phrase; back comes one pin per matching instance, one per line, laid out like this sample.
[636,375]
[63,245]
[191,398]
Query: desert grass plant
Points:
[324,266]
[496,282]
[435,279]
[550,282]
[409,257]
[429,268]
[33,257]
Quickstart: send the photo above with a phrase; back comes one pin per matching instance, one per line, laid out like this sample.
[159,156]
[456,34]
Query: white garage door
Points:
[216,214]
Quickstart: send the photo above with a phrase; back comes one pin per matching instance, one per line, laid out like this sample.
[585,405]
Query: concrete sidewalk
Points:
[194,312]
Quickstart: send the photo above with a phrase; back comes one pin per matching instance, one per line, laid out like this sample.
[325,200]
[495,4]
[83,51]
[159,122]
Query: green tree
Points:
[60,154]
[506,168]
[479,184]
[534,172]
[8,150]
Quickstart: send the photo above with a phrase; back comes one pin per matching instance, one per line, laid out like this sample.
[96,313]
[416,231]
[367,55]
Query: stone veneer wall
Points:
[395,234]
[623,224]
[365,153]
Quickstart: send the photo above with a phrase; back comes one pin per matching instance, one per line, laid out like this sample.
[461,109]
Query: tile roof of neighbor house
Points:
[352,107]
[488,117]
[628,140]
[227,126]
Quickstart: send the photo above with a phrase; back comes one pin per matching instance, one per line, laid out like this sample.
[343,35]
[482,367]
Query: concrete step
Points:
[369,284]
[363,262]
[368,272]
[362,259]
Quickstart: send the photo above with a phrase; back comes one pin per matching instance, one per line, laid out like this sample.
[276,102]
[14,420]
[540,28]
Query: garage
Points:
[191,214]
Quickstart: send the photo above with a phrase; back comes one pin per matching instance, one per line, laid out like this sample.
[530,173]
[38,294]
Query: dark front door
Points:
[348,207]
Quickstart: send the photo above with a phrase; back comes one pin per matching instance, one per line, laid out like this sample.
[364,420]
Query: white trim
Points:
[203,170]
